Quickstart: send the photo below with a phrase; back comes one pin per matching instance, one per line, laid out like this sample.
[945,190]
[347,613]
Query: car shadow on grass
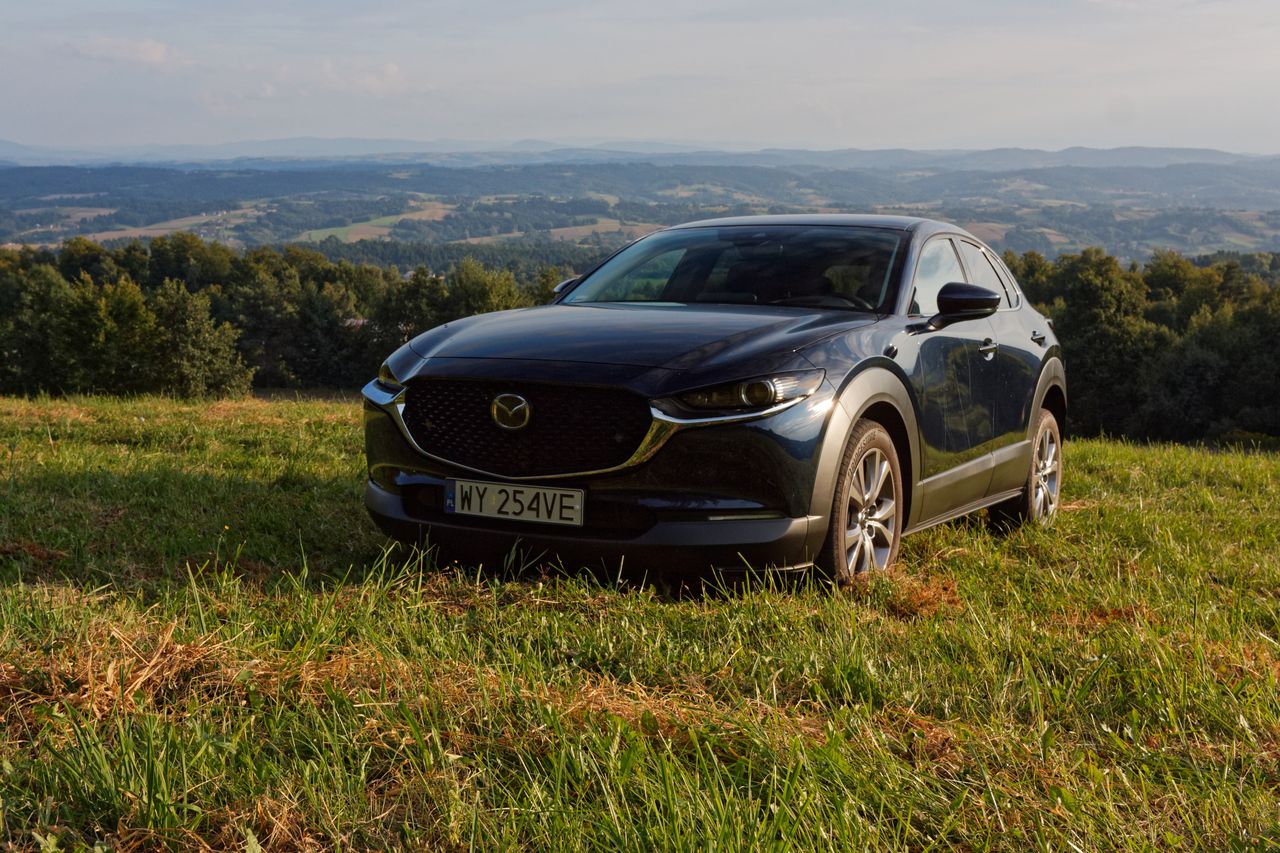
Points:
[160,524]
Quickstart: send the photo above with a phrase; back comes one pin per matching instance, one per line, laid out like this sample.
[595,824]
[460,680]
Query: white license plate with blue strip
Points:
[517,503]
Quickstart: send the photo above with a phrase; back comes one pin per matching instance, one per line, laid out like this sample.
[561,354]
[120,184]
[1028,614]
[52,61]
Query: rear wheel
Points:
[866,522]
[1038,502]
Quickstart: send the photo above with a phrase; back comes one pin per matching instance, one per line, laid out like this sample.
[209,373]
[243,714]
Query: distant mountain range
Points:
[311,151]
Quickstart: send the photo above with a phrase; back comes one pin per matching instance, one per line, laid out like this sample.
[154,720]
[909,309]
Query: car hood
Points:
[674,337]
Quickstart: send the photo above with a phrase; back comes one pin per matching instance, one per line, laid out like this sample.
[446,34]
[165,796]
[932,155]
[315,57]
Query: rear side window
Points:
[983,273]
[938,266]
[1010,283]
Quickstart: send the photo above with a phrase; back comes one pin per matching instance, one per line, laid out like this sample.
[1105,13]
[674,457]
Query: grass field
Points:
[204,642]
[376,229]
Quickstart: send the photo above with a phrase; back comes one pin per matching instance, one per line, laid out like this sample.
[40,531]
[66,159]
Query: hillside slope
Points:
[203,642]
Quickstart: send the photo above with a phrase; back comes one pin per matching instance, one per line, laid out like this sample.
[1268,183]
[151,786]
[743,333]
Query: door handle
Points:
[988,348]
[1038,337]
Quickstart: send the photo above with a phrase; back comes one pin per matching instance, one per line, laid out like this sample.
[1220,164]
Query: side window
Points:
[1010,284]
[982,273]
[938,265]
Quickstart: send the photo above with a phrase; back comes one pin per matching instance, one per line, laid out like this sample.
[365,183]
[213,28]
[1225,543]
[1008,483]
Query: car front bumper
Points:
[729,496]
[676,546]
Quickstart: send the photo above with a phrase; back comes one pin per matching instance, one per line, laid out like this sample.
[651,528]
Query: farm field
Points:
[210,226]
[376,229]
[574,233]
[205,643]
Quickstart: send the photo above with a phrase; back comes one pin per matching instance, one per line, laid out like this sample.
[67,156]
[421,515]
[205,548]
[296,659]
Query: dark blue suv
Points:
[772,392]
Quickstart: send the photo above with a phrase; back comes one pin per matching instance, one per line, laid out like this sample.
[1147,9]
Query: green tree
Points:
[1223,377]
[186,258]
[195,356]
[1034,275]
[542,290]
[472,288]
[327,345]
[79,255]
[1108,345]
[262,302]
[406,308]
[40,339]
[127,354]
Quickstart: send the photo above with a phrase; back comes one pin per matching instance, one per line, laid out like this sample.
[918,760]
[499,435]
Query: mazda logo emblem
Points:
[510,411]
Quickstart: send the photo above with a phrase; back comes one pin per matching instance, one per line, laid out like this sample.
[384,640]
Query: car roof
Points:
[917,224]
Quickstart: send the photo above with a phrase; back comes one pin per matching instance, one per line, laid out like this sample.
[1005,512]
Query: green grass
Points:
[203,641]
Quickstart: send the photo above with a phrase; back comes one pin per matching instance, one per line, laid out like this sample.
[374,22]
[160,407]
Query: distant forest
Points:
[1174,348]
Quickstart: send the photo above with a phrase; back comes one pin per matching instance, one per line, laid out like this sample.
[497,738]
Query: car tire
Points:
[1038,501]
[865,528]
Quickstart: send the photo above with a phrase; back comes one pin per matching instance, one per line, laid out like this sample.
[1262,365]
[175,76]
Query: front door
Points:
[953,379]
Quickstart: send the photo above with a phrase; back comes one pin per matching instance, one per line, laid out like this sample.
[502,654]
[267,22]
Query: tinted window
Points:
[1010,285]
[982,273]
[802,265]
[938,265]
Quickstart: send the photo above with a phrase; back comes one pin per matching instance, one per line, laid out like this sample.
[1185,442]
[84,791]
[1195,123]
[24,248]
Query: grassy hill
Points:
[203,641]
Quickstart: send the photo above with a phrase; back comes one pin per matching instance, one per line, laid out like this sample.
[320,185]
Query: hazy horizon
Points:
[732,75]
[623,144]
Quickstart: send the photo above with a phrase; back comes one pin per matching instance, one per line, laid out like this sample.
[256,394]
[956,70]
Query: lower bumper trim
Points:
[684,546]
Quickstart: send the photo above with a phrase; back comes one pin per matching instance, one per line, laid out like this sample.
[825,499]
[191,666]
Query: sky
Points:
[740,74]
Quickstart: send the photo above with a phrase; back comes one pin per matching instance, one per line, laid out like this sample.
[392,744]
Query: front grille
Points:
[570,429]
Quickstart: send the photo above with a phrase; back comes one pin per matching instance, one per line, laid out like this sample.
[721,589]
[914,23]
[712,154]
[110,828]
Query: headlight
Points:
[387,378]
[749,395]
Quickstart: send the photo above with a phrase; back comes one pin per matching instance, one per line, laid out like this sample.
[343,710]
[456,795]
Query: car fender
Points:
[1052,374]
[875,383]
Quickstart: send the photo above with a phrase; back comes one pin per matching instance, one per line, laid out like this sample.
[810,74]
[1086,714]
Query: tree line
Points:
[1175,348]
[1172,349]
[183,316]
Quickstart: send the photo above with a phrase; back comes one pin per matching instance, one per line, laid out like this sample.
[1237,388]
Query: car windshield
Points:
[824,266]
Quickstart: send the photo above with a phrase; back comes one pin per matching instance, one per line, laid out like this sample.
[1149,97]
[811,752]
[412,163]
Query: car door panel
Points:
[952,379]
[1014,369]
[953,387]
[1017,369]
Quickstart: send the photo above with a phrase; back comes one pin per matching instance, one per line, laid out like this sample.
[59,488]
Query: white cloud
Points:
[380,80]
[143,51]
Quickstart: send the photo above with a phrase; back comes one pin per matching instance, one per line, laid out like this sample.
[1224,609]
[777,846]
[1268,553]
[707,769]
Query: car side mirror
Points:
[559,288]
[959,301]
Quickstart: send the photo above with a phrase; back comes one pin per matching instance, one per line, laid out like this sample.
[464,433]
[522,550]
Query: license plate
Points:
[521,503]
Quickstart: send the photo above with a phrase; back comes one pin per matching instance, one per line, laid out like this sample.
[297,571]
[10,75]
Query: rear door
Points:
[1016,368]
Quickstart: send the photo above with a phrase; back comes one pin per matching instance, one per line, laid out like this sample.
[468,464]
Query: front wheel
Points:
[866,522]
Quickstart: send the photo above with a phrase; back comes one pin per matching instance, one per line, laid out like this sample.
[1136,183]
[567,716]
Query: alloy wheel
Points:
[871,514]
[1047,465]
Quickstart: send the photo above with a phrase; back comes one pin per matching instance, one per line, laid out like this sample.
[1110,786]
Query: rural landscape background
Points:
[204,642]
[216,220]
[1159,267]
